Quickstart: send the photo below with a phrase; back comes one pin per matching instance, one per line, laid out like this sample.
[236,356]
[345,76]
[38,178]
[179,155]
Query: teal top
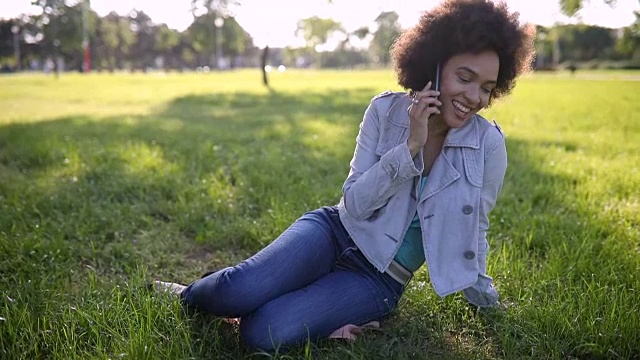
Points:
[411,252]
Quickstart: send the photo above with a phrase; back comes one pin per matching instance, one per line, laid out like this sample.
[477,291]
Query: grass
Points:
[109,181]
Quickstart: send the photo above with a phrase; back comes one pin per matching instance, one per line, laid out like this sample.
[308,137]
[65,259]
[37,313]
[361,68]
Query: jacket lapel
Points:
[443,172]
[442,175]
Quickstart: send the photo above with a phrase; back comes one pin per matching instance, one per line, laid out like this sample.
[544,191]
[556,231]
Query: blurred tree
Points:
[116,41]
[346,55]
[593,42]
[29,41]
[628,45]
[571,7]
[48,25]
[316,31]
[544,48]
[143,54]
[583,42]
[61,26]
[222,7]
[300,56]
[205,13]
[361,33]
[19,45]
[8,40]
[387,32]
[203,34]
[343,58]
[165,43]
[235,40]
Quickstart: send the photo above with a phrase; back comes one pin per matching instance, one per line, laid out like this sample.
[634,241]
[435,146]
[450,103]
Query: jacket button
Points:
[467,209]
[469,255]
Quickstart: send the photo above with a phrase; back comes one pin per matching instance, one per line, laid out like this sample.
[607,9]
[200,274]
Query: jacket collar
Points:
[466,136]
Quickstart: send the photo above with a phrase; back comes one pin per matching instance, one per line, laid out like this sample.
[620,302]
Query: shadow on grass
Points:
[210,179]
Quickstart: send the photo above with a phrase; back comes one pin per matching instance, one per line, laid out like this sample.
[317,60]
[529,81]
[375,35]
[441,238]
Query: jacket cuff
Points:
[482,293]
[399,165]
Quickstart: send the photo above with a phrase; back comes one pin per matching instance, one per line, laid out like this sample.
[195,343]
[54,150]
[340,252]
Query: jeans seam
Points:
[370,281]
[375,281]
[386,282]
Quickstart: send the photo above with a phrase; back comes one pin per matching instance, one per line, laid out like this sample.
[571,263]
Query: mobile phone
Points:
[437,87]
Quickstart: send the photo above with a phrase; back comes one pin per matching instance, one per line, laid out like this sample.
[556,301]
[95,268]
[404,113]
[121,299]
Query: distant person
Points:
[425,174]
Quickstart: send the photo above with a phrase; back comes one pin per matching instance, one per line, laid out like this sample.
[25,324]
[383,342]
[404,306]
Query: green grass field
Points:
[110,181]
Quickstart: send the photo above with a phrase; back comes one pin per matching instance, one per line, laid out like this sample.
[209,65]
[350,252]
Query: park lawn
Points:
[108,181]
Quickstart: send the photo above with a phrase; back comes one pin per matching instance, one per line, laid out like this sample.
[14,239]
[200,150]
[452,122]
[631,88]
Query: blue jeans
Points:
[307,283]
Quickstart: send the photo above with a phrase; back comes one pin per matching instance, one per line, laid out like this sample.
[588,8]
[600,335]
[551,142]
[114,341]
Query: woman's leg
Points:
[344,296]
[299,256]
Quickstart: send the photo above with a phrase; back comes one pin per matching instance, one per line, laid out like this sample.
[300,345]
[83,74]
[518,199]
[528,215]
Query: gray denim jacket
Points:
[380,197]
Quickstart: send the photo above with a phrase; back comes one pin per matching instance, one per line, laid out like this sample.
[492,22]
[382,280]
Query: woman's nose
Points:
[472,95]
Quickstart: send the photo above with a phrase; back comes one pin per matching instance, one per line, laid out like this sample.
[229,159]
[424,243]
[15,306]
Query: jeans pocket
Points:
[346,252]
[347,259]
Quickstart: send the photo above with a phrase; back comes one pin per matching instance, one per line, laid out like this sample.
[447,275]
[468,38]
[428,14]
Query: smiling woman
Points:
[424,176]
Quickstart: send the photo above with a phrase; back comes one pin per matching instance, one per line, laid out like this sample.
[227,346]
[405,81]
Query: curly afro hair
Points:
[464,26]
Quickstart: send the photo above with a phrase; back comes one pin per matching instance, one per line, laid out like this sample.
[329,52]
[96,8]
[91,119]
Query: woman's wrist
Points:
[414,148]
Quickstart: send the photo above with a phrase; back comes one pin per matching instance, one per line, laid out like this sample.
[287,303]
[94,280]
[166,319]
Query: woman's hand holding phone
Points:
[424,104]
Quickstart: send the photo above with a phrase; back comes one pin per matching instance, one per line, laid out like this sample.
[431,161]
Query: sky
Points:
[278,30]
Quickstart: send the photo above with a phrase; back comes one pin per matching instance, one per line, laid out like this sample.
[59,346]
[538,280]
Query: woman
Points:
[425,173]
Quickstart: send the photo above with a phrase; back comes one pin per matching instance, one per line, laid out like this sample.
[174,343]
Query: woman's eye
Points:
[486,91]
[463,79]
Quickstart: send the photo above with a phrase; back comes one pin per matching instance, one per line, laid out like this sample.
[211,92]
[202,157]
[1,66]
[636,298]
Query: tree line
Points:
[588,46]
[216,40]
[132,41]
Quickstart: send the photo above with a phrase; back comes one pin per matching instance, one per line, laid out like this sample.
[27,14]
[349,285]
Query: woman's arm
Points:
[373,179]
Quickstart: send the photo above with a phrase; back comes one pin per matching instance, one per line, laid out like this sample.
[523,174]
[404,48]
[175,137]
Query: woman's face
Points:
[466,86]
